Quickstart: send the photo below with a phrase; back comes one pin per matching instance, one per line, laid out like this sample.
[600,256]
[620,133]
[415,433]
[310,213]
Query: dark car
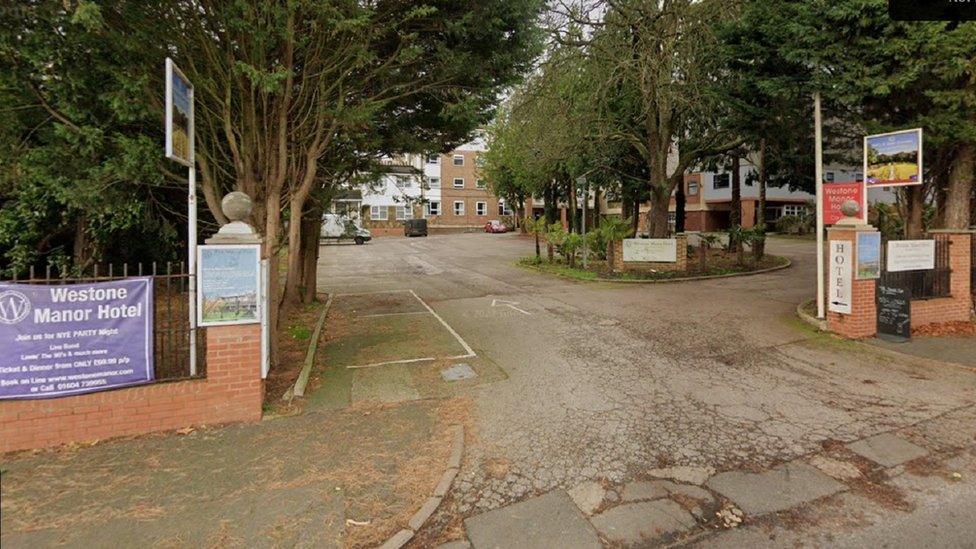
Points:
[415,227]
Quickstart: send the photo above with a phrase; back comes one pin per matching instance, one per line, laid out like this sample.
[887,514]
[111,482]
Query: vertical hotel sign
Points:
[75,338]
[840,277]
[179,115]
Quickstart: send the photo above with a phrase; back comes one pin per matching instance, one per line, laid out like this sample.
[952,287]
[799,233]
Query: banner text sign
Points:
[75,338]
[834,196]
[911,255]
[655,250]
[841,277]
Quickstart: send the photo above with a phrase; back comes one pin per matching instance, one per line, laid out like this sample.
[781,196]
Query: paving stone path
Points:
[661,511]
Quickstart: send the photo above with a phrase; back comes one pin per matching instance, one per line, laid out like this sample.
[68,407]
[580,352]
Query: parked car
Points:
[415,227]
[495,226]
[339,227]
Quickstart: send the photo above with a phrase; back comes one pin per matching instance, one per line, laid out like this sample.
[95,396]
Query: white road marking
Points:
[405,361]
[379,292]
[512,304]
[394,314]
[467,348]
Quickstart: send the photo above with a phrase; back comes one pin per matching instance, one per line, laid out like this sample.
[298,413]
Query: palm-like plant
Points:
[535,226]
[705,243]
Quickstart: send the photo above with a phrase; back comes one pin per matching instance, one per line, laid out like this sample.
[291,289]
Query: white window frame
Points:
[693,185]
[379,213]
[458,212]
[456,179]
[431,184]
[794,210]
[402,181]
[457,160]
[481,208]
[433,159]
[433,207]
[404,212]
[503,208]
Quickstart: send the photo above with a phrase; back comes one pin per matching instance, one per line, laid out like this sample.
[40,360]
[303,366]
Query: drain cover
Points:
[457,372]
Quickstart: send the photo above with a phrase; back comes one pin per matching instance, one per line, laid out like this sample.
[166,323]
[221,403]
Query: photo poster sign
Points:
[911,255]
[650,250]
[841,277]
[179,115]
[868,255]
[228,284]
[72,339]
[893,159]
[834,196]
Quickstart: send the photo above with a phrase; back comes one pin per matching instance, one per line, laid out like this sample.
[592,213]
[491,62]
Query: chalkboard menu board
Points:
[894,312]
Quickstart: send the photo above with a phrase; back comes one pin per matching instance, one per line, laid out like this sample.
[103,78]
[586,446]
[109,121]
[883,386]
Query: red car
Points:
[495,226]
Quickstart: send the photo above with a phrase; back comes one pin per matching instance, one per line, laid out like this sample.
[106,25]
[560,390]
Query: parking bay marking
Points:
[469,353]
[511,304]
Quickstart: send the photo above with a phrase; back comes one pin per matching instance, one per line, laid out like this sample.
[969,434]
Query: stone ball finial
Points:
[850,208]
[236,206]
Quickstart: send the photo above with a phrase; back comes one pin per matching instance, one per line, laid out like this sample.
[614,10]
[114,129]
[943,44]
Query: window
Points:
[503,208]
[433,182]
[404,211]
[480,183]
[481,208]
[402,181]
[433,159]
[458,160]
[458,182]
[794,209]
[458,207]
[378,213]
[479,160]
[692,188]
[829,177]
[721,181]
[433,207]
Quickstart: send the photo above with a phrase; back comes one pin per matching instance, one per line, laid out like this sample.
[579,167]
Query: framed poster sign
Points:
[75,338]
[228,284]
[841,277]
[868,255]
[179,115]
[893,159]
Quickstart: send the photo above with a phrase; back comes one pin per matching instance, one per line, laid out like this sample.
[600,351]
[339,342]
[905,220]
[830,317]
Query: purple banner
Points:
[75,338]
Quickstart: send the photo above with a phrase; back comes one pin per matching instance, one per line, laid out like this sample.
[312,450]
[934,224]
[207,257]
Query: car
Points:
[495,226]
[339,227]
[415,227]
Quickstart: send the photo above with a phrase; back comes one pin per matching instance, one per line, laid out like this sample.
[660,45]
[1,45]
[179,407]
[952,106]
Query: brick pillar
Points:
[615,255]
[863,320]
[234,372]
[682,255]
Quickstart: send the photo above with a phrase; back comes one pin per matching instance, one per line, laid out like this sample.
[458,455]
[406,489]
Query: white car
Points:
[340,227]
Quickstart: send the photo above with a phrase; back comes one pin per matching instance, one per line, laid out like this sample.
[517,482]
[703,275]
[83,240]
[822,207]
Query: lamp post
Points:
[581,182]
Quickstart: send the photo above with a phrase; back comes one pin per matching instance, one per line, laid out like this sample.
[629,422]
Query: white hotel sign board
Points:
[911,255]
[656,250]
[841,277]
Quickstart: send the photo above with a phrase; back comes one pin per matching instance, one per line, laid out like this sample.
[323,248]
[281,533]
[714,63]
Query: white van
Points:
[339,227]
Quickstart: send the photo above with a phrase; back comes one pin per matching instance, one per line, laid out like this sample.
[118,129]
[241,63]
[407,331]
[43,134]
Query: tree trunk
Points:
[914,207]
[679,208]
[960,190]
[538,252]
[571,206]
[735,207]
[657,216]
[596,207]
[550,210]
[311,229]
[759,245]
[625,205]
[293,275]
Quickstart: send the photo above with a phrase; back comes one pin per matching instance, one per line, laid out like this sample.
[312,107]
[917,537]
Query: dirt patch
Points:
[295,332]
[956,329]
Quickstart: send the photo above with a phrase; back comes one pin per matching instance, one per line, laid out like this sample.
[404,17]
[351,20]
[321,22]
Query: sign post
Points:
[180,146]
[818,178]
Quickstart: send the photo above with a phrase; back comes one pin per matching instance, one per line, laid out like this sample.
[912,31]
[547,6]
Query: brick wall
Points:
[232,391]
[958,306]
